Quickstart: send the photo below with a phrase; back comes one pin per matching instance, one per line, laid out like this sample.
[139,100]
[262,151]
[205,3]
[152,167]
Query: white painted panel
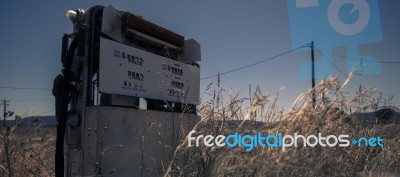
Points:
[126,70]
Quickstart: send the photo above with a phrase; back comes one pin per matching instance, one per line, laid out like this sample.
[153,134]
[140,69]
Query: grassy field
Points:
[335,112]
[27,151]
[30,151]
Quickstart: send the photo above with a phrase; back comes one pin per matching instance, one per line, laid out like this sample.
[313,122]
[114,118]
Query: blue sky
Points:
[232,34]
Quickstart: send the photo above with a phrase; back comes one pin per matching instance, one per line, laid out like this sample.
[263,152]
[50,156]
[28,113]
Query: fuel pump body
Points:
[127,94]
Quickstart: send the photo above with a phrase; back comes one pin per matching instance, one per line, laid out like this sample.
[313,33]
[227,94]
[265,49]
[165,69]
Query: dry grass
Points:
[332,114]
[30,151]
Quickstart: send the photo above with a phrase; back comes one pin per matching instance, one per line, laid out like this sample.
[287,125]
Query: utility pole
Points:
[5,109]
[312,73]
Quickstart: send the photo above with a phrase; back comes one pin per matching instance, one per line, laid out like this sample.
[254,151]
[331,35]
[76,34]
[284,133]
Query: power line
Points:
[344,74]
[358,59]
[44,112]
[256,63]
[23,88]
[34,99]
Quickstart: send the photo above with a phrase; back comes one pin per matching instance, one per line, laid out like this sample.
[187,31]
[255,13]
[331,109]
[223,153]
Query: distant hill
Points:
[34,121]
[380,117]
[9,123]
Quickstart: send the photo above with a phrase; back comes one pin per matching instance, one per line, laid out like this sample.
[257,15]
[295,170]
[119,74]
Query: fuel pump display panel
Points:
[126,70]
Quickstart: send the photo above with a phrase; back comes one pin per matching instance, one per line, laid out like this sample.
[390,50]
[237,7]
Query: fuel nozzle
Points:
[76,16]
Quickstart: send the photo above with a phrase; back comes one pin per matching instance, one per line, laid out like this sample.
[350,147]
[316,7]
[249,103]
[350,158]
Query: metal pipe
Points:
[152,39]
[61,122]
